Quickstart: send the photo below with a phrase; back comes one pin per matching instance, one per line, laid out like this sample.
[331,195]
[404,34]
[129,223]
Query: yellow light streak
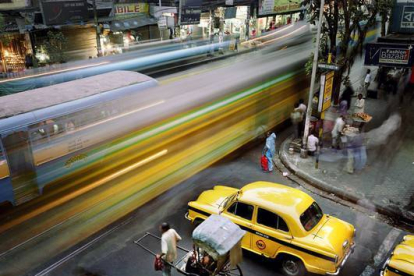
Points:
[55,72]
[272,34]
[81,191]
[283,36]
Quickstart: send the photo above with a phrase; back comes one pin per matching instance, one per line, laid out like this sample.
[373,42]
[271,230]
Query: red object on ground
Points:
[158,263]
[264,163]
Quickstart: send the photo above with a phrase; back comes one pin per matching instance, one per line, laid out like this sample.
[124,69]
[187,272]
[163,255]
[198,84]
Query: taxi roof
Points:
[403,255]
[276,197]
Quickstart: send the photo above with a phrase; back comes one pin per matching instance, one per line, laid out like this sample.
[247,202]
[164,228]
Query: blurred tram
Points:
[141,144]
[47,129]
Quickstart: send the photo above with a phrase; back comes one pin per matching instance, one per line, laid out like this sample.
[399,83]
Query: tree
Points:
[346,23]
[55,47]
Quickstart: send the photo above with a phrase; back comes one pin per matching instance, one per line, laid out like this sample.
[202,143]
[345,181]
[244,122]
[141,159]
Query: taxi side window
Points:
[271,220]
[241,210]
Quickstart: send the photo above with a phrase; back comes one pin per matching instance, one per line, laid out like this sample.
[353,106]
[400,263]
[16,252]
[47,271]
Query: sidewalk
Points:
[386,184]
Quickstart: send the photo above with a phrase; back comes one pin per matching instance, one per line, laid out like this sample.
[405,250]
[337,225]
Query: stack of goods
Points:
[296,145]
[363,116]
[350,131]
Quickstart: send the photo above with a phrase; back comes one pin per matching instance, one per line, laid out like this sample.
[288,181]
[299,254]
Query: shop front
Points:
[130,25]
[276,13]
[15,52]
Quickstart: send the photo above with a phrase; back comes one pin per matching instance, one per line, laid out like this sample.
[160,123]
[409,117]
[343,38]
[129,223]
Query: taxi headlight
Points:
[345,244]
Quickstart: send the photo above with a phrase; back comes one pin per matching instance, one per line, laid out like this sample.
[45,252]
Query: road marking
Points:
[382,251]
[82,248]
[386,246]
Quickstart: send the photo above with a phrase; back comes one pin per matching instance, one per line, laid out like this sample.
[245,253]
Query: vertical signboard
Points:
[60,12]
[325,95]
[190,12]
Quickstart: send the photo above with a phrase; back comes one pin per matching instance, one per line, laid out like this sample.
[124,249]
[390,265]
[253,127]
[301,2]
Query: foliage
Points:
[346,23]
[55,47]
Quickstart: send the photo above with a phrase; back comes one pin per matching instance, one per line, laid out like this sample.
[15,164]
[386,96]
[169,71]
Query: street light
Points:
[303,152]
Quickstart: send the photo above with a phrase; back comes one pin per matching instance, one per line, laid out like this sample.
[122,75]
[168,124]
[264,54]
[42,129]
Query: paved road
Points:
[116,254]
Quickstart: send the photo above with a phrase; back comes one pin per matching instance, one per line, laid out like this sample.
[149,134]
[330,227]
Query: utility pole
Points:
[160,4]
[98,38]
[304,152]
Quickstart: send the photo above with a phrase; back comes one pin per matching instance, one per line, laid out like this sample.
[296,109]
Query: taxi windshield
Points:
[311,217]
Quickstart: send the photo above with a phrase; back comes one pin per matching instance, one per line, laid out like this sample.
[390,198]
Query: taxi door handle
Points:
[288,238]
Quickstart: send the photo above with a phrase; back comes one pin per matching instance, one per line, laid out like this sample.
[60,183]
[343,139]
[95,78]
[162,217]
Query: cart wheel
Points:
[228,271]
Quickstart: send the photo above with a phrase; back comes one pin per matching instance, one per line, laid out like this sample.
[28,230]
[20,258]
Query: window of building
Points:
[242,210]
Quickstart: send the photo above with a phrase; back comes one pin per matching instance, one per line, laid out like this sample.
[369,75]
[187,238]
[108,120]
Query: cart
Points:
[216,249]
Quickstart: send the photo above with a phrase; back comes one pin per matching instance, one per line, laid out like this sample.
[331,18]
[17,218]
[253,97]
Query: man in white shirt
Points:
[367,81]
[302,106]
[169,241]
[359,105]
[337,130]
[313,142]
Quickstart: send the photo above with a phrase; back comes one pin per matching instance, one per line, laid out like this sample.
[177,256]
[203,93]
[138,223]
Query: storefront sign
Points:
[399,55]
[57,12]
[277,6]
[407,20]
[190,12]
[162,23]
[325,96]
[130,9]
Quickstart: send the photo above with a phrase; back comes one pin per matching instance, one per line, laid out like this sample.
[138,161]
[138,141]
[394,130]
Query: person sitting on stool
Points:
[313,142]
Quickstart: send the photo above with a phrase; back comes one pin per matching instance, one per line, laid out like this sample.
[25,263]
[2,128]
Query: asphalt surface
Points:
[116,254]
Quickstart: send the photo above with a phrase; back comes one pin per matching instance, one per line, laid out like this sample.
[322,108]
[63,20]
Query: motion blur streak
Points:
[204,118]
[55,72]
[83,190]
[283,36]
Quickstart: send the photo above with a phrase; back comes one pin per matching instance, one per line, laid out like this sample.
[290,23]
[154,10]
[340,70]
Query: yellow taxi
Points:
[282,223]
[401,262]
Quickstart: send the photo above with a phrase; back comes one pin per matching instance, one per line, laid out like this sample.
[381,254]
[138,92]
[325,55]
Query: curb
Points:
[393,212]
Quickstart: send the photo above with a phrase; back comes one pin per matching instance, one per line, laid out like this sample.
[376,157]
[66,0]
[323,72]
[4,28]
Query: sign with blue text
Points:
[395,55]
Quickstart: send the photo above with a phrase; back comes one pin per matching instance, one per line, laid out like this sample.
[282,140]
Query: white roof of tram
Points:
[39,98]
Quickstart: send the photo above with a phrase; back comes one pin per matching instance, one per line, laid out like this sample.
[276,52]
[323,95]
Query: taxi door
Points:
[270,232]
[241,214]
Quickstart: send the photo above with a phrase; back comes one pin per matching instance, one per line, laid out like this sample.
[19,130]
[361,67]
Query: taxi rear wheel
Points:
[292,266]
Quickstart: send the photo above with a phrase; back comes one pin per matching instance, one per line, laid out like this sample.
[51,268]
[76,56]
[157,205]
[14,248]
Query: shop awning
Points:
[132,23]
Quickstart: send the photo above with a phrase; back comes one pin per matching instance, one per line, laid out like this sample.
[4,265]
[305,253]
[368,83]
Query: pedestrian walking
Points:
[347,95]
[337,130]
[302,108]
[313,143]
[360,153]
[296,118]
[359,106]
[270,149]
[169,241]
[367,82]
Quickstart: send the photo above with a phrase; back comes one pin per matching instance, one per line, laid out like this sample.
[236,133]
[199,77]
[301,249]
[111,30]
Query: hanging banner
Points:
[190,12]
[56,12]
[278,6]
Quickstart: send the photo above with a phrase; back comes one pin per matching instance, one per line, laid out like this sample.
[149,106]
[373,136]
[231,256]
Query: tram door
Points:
[20,159]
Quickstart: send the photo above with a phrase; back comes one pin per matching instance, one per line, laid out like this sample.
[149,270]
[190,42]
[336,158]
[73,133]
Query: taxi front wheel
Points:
[292,266]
